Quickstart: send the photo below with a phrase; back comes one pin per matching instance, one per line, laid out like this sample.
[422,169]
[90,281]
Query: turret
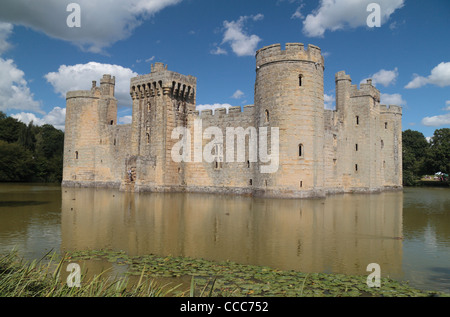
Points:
[289,96]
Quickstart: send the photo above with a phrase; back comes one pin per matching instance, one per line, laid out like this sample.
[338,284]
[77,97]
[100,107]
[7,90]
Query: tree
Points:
[16,163]
[438,158]
[415,149]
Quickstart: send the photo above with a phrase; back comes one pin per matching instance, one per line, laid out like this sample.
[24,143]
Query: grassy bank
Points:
[38,279]
[206,278]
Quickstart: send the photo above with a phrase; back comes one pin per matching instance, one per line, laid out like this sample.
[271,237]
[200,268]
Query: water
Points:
[407,233]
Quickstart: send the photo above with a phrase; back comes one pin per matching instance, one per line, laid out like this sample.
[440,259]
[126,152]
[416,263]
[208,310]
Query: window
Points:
[112,122]
[248,164]
[357,120]
[300,80]
[251,182]
[300,151]
[356,167]
[301,184]
[385,125]
[148,138]
[382,144]
[76,155]
[356,147]
[115,142]
[267,116]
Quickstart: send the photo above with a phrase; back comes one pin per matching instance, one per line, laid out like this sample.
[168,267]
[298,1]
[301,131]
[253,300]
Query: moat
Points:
[407,233]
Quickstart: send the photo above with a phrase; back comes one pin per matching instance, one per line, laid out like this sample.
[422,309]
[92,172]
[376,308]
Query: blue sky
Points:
[41,57]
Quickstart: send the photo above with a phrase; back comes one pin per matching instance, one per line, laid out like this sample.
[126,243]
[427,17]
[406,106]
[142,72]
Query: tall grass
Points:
[37,279]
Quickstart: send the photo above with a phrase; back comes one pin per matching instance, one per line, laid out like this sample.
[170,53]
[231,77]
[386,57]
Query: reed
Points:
[19,278]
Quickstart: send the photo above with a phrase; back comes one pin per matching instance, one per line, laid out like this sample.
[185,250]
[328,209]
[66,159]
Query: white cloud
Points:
[440,76]
[213,106]
[298,14]
[238,94]
[447,105]
[218,51]
[14,90]
[437,120]
[384,77]
[80,77]
[241,43]
[336,15]
[102,24]
[329,101]
[125,120]
[392,99]
[56,118]
[5,32]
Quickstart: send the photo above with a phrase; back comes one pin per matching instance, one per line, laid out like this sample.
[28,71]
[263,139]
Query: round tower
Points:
[289,95]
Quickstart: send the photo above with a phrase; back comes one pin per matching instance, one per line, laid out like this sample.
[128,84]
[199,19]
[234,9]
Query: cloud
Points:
[336,15]
[329,101]
[125,119]
[218,51]
[241,43]
[440,76]
[384,77]
[298,14]
[213,106]
[447,105]
[102,24]
[392,99]
[56,118]
[80,77]
[437,120]
[14,90]
[5,32]
[238,94]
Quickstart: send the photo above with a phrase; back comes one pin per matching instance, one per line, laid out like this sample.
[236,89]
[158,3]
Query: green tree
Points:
[16,163]
[438,158]
[10,129]
[415,149]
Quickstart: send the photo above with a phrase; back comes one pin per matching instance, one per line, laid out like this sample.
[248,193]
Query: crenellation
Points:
[354,148]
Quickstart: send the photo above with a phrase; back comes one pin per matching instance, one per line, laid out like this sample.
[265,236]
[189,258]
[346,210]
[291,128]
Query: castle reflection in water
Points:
[339,234]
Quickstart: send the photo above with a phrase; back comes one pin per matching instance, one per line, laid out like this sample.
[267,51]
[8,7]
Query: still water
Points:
[407,233]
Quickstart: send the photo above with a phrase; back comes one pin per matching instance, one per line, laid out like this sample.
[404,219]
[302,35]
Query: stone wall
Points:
[355,148]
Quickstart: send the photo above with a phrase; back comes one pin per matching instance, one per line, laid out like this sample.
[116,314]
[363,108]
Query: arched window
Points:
[300,80]
[267,115]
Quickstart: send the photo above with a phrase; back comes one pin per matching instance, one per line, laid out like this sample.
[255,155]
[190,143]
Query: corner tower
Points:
[289,95]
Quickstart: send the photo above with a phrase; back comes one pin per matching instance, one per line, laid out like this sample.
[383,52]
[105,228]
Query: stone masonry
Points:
[355,148]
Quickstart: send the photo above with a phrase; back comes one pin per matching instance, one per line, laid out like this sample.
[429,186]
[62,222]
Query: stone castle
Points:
[355,148]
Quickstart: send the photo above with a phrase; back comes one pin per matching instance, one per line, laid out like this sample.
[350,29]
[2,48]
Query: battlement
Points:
[292,52]
[249,109]
[342,76]
[158,67]
[393,109]
[162,81]
[108,79]
[89,94]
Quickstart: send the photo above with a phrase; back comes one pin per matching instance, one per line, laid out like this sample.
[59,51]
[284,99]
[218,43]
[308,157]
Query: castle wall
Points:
[224,174]
[355,148]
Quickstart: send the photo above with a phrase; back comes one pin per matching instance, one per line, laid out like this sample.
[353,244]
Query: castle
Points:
[355,148]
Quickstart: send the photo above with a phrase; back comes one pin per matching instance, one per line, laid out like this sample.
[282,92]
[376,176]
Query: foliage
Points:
[30,153]
[421,157]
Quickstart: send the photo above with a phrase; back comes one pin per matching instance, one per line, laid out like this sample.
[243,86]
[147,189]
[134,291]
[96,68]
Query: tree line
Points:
[30,153]
[423,157]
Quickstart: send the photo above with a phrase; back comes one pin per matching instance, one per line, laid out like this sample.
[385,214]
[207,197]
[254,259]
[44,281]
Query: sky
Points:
[50,47]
